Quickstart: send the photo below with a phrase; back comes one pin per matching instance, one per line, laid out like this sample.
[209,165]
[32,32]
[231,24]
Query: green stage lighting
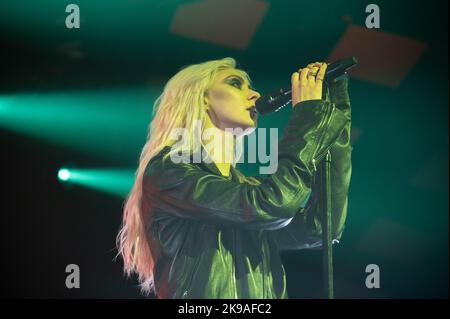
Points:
[110,124]
[63,174]
[117,182]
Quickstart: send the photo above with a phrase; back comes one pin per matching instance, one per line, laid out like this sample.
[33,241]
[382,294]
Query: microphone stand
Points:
[326,211]
[327,232]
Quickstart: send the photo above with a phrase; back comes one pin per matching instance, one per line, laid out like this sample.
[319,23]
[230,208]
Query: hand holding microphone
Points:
[277,99]
[308,84]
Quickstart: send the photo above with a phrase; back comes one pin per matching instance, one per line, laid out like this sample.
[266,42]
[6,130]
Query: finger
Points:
[312,75]
[311,78]
[295,80]
[295,77]
[315,64]
[321,75]
[304,76]
[313,70]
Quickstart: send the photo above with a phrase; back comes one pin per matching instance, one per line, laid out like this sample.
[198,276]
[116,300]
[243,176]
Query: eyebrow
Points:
[240,78]
[235,76]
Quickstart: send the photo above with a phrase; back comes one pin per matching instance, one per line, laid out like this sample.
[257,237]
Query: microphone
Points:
[276,100]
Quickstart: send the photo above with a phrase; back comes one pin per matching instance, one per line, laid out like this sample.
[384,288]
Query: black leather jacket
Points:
[220,237]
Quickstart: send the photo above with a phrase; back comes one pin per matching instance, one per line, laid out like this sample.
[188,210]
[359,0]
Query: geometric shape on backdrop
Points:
[383,58]
[229,23]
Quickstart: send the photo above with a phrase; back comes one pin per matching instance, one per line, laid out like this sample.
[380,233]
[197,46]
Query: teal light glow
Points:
[64,174]
[109,124]
[112,181]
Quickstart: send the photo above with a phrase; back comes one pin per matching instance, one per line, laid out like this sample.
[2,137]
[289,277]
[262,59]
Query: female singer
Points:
[201,229]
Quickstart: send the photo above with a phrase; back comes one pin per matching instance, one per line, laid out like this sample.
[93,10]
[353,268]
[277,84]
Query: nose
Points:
[253,96]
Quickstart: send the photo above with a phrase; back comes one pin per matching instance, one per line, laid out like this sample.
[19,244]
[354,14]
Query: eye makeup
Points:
[235,81]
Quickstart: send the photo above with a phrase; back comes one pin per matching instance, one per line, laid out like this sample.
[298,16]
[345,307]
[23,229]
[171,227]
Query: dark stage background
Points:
[82,99]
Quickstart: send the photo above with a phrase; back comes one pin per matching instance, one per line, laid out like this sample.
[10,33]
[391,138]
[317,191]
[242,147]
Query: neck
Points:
[220,147]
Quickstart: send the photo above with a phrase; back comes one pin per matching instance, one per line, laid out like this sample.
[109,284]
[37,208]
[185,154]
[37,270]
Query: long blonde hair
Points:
[180,105]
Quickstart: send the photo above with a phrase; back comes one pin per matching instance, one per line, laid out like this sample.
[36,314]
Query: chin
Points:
[248,127]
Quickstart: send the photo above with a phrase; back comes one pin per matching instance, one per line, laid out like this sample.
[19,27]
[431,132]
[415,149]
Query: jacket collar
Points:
[209,165]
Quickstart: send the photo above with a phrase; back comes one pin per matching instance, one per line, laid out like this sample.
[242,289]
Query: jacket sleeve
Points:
[304,231]
[185,190]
